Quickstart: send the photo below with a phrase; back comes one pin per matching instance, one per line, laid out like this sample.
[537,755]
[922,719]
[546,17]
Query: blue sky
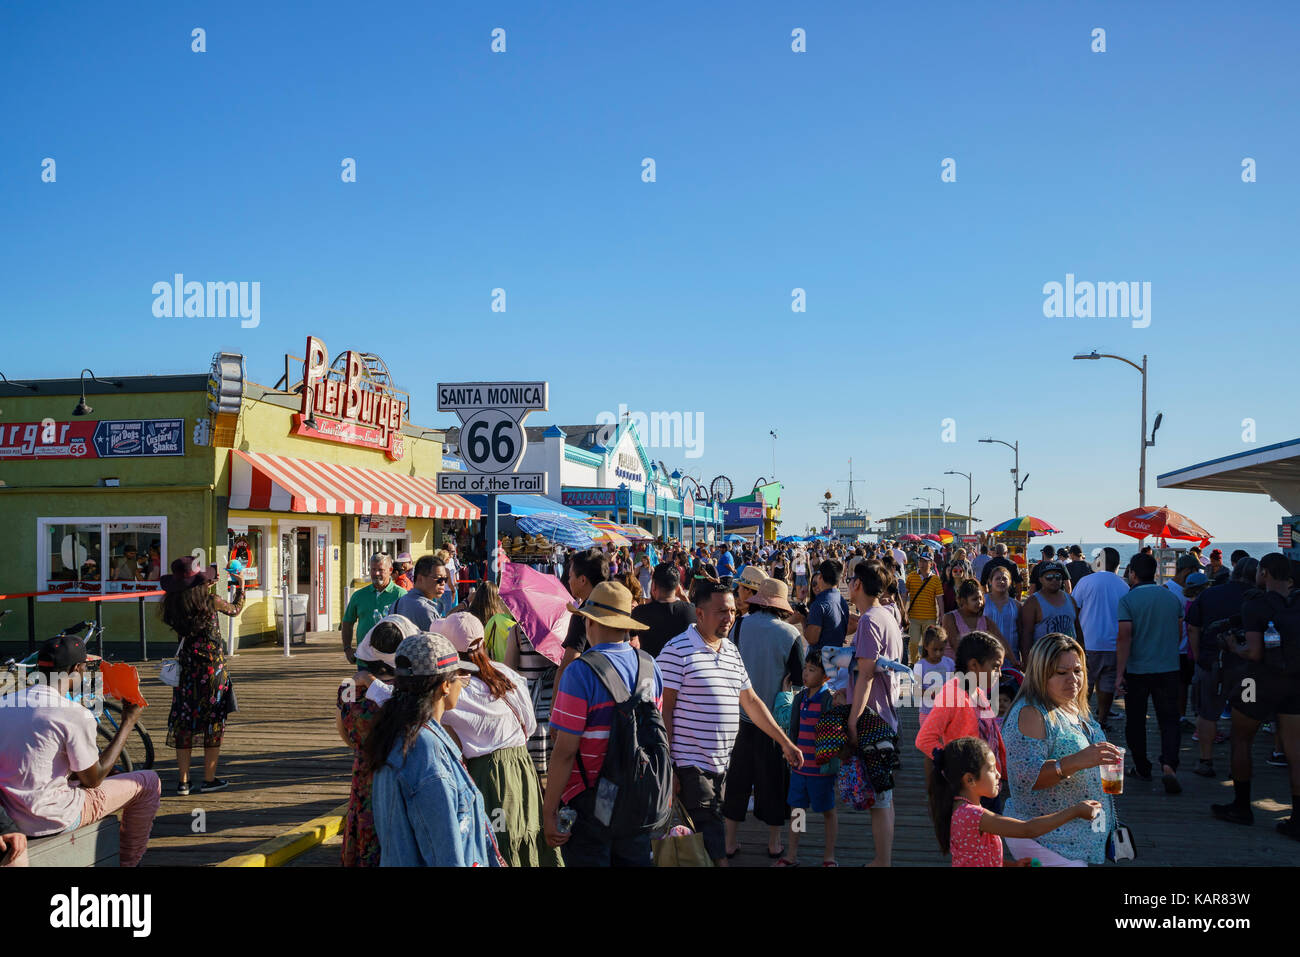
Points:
[775,170]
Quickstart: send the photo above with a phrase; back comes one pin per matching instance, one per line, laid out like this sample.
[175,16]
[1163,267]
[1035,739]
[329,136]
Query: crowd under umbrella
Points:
[1026,523]
[1162,522]
[561,529]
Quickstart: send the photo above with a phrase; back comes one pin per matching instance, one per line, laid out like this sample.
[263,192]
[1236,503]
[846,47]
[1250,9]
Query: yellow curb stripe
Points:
[292,843]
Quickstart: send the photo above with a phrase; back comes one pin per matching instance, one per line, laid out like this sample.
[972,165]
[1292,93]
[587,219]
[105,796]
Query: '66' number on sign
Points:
[492,442]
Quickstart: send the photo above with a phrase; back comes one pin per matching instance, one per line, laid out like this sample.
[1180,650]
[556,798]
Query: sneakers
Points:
[1277,759]
[1186,723]
[1170,781]
[1205,769]
[214,785]
[1232,813]
[1135,773]
[1267,727]
[183,788]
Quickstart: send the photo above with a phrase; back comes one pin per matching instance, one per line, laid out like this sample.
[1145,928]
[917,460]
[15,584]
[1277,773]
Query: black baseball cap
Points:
[61,653]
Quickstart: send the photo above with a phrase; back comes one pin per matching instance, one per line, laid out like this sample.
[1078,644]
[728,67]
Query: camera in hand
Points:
[1226,633]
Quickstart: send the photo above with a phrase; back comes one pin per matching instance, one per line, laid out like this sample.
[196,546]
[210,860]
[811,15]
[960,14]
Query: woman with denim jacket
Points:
[428,812]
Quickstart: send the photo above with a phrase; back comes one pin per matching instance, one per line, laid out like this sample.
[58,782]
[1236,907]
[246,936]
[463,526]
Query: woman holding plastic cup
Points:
[1055,751]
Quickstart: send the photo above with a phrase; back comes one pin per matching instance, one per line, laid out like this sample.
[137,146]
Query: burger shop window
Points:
[247,544]
[87,556]
[382,534]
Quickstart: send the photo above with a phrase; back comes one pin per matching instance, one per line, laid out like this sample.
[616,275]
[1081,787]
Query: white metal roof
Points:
[1273,470]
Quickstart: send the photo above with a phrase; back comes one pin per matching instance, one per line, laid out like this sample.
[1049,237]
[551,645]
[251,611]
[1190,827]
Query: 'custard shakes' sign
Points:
[351,404]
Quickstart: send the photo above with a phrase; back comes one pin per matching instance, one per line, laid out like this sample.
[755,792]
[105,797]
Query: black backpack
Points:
[1284,611]
[636,761]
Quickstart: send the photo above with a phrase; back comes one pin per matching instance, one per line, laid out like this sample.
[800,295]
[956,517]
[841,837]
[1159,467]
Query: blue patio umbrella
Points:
[569,532]
[735,538]
[788,539]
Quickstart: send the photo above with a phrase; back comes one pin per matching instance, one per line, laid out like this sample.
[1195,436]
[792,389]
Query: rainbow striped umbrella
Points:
[946,536]
[1026,523]
[633,532]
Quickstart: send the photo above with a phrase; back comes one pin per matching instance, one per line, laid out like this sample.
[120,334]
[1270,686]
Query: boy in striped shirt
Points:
[812,787]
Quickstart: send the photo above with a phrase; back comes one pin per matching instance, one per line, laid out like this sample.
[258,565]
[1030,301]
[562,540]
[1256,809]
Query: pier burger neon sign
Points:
[353,401]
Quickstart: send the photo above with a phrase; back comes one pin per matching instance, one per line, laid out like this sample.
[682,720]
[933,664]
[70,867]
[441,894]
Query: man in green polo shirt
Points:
[368,605]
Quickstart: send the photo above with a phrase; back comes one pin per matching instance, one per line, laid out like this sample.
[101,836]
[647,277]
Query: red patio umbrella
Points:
[1163,522]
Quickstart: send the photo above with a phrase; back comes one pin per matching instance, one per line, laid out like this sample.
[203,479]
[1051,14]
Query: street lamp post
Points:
[943,505]
[970,487]
[1144,442]
[918,498]
[1015,472]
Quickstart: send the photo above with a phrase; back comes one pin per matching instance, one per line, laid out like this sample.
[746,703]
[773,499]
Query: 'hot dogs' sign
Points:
[350,404]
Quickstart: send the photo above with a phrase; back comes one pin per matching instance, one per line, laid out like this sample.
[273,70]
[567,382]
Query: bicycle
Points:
[137,753]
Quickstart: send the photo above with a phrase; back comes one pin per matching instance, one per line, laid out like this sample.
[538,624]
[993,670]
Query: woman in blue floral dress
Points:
[201,701]
[1054,751]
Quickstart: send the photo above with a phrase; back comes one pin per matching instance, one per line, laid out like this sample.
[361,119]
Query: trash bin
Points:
[297,618]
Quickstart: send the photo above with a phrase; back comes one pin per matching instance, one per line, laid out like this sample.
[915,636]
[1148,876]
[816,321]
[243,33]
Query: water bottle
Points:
[1271,637]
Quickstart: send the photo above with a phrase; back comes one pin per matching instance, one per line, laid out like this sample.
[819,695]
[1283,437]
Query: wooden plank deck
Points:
[286,765]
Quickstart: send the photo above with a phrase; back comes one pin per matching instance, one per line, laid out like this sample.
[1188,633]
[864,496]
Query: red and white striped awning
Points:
[263,482]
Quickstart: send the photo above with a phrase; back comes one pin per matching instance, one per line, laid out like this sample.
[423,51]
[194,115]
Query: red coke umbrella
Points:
[1161,522]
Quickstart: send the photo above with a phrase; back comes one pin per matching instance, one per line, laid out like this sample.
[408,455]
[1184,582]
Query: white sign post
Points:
[492,444]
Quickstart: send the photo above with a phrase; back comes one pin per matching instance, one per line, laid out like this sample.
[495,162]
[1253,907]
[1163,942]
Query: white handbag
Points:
[170,671]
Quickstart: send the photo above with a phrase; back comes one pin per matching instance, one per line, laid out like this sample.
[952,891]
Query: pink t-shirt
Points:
[43,738]
[969,847]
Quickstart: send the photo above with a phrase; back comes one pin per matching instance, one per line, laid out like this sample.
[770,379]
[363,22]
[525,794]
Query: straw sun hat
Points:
[610,604]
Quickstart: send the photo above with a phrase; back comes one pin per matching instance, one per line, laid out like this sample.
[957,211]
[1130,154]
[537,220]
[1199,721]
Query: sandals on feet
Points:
[785,862]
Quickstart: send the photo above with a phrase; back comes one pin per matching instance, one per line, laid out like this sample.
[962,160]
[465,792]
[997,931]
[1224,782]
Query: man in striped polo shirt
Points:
[705,689]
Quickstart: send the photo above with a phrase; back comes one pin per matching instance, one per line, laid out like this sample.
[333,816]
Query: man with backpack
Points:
[610,765]
[1271,686]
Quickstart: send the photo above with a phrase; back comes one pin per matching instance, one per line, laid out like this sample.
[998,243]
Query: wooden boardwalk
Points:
[287,765]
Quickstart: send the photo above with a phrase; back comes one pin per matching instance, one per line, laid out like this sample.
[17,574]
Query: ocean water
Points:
[1127,549]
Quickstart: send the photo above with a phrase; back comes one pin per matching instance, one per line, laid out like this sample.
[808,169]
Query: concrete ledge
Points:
[292,843]
[94,845]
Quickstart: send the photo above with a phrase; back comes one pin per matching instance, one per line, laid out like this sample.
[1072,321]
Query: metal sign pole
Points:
[493,540]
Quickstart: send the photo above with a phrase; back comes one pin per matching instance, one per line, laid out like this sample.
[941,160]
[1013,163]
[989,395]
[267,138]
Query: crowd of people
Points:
[701,685]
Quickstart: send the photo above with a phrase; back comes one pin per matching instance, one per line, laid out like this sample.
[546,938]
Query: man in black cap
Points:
[45,739]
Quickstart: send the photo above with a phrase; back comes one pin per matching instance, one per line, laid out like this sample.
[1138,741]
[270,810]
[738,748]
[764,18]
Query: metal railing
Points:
[97,601]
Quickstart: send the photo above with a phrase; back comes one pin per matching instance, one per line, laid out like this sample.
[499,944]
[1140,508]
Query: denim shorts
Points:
[812,792]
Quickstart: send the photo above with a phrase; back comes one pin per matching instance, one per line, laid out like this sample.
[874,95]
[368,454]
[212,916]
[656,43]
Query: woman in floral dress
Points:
[201,701]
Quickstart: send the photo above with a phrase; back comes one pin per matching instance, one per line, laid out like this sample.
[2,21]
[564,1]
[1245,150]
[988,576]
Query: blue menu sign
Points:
[122,438]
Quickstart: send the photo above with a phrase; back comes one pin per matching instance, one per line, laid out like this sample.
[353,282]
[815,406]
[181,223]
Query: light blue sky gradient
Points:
[775,170]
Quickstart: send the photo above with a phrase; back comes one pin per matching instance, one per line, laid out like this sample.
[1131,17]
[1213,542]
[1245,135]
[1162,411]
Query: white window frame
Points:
[43,547]
[243,525]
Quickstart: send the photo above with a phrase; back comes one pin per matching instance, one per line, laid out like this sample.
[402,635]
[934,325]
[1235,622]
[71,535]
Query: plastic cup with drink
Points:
[1112,776]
